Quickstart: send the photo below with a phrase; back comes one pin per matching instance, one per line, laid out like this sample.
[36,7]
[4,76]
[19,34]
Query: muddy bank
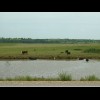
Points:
[45,57]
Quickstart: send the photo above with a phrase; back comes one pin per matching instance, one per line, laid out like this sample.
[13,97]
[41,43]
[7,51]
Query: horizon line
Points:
[49,38]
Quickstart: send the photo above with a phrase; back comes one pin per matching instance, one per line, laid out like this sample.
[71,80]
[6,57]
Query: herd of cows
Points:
[66,51]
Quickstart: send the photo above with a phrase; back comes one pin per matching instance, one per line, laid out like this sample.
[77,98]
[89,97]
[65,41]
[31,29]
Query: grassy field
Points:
[49,51]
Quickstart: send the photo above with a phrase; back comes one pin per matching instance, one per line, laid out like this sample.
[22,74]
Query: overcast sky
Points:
[72,25]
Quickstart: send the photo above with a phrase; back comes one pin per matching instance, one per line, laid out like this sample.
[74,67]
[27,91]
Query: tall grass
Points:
[65,77]
[90,78]
[61,77]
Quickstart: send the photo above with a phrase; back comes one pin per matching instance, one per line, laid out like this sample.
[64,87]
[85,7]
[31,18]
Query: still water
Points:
[49,68]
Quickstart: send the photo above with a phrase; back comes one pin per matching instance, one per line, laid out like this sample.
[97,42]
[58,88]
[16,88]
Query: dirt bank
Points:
[49,83]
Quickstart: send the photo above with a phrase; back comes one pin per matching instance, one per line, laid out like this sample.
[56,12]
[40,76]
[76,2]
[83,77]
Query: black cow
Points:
[87,59]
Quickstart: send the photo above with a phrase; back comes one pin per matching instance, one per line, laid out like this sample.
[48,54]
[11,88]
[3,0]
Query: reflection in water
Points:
[7,63]
[46,68]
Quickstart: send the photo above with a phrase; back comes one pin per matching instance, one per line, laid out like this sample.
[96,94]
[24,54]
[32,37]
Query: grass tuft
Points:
[65,77]
[90,78]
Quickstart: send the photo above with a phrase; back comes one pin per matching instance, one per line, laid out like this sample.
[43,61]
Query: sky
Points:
[48,25]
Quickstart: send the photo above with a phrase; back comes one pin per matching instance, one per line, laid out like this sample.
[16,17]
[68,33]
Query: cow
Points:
[24,52]
[87,59]
[66,51]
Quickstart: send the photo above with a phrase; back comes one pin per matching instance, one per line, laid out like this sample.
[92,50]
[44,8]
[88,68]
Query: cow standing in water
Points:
[24,52]
[87,60]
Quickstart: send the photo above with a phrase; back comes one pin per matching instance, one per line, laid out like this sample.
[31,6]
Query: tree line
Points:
[29,40]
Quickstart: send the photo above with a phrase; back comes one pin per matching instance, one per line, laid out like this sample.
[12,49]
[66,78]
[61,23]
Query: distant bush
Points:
[92,50]
[78,49]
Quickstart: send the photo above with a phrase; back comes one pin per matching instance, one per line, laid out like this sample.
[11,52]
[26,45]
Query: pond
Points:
[49,68]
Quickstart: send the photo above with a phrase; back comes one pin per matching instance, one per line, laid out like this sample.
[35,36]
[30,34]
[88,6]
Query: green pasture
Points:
[49,51]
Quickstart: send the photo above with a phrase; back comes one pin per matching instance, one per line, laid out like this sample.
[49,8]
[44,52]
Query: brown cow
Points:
[24,52]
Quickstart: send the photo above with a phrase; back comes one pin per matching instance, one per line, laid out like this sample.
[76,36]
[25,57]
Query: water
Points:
[49,68]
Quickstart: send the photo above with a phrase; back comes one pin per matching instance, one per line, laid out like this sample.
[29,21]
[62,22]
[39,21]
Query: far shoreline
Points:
[18,51]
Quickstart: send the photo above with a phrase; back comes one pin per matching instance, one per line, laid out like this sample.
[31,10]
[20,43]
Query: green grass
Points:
[92,50]
[48,51]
